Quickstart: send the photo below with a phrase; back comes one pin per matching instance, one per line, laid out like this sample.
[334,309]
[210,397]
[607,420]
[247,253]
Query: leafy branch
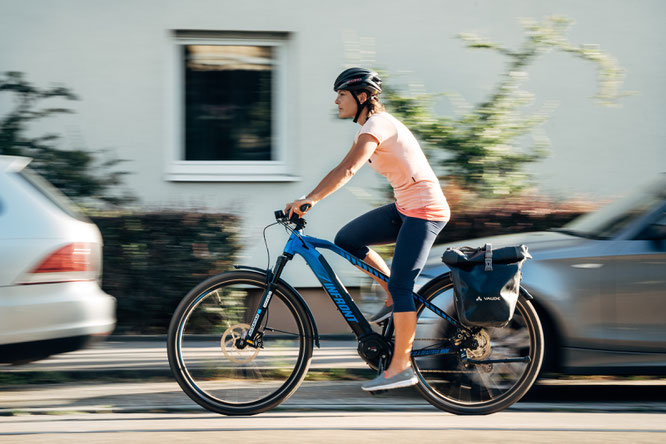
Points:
[480,150]
[75,172]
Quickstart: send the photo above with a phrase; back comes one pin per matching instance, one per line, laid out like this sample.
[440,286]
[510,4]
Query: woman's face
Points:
[346,104]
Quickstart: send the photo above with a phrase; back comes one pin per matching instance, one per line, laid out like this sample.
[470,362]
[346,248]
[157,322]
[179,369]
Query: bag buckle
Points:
[489,257]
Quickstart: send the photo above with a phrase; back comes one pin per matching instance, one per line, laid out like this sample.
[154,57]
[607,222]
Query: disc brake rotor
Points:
[229,348]
[484,348]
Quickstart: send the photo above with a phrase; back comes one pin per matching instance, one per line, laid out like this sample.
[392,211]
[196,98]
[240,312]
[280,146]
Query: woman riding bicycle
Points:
[413,221]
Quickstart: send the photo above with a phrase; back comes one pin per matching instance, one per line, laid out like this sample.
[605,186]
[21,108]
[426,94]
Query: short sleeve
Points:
[379,126]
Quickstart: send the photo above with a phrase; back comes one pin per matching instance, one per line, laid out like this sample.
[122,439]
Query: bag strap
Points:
[489,257]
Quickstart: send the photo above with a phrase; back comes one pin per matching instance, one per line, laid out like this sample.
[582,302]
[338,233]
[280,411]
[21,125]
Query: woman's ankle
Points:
[396,368]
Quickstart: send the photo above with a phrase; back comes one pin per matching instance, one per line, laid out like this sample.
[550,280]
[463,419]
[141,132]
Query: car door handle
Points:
[589,266]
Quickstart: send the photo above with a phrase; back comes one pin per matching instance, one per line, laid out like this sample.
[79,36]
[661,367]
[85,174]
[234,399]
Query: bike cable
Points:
[268,252]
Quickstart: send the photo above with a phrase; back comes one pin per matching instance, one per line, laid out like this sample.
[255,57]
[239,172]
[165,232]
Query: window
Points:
[54,195]
[229,110]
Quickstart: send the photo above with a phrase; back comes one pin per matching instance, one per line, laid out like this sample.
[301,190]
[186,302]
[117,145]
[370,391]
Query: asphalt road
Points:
[336,427]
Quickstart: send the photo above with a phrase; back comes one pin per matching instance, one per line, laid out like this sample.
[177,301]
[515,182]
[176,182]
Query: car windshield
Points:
[608,221]
[52,193]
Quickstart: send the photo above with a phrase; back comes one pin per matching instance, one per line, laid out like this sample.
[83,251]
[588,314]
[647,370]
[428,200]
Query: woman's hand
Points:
[295,207]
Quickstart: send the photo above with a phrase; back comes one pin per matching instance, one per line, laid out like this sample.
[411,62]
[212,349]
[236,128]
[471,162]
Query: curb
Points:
[392,407]
[12,377]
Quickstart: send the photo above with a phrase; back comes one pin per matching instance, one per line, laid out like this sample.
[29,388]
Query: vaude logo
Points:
[487,298]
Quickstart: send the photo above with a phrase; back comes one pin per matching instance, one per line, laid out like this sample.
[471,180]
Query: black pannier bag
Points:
[486,283]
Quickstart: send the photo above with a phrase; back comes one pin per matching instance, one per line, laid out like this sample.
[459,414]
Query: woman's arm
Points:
[340,175]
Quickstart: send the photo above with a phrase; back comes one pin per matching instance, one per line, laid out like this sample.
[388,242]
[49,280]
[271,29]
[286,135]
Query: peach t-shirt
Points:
[400,159]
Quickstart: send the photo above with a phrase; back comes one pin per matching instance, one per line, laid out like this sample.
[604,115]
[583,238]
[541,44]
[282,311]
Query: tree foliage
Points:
[75,172]
[481,149]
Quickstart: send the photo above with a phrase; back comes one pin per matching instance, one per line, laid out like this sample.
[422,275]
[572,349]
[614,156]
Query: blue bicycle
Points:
[240,343]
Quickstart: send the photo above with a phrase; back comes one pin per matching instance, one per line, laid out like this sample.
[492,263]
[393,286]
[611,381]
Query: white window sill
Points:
[240,171]
[185,177]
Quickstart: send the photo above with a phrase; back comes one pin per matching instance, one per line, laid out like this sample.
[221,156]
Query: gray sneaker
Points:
[405,378]
[384,313]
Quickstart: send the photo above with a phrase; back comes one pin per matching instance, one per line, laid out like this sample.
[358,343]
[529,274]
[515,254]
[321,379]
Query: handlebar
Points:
[295,218]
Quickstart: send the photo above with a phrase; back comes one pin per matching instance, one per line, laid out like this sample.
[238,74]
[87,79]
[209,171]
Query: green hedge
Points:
[152,260]
[494,222]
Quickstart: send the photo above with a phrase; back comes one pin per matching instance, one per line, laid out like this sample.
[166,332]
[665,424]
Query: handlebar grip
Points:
[305,207]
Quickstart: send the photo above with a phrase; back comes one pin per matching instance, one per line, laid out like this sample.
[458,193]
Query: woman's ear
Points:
[362,97]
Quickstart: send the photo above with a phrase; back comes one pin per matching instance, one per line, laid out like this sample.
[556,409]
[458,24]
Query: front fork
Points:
[253,336]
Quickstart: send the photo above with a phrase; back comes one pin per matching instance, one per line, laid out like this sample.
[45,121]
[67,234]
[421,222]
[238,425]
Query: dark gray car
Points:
[599,285]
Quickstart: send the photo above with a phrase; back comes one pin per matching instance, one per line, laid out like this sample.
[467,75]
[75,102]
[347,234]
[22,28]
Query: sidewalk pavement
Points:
[145,397]
[147,355]
[143,358]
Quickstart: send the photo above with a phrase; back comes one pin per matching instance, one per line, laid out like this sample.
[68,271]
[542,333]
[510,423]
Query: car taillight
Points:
[78,261]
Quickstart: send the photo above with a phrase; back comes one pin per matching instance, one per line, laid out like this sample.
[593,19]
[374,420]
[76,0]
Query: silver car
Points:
[599,285]
[50,265]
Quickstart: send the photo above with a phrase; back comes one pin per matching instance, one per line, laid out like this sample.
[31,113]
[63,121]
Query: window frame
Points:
[276,170]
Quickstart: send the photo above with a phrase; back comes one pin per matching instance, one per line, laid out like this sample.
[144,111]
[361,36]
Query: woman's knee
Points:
[347,243]
[342,240]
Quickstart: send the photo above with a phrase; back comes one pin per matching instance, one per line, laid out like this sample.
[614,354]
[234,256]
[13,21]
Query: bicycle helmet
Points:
[357,80]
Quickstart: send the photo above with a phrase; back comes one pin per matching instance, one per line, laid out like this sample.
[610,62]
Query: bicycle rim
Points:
[462,388]
[217,374]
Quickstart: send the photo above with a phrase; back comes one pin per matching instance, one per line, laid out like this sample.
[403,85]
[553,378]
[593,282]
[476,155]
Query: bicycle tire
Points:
[478,389]
[216,374]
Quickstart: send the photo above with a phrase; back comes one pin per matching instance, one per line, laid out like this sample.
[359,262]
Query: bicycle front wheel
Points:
[203,352]
[458,386]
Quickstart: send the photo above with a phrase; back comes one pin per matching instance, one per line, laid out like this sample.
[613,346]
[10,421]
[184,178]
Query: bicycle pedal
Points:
[377,392]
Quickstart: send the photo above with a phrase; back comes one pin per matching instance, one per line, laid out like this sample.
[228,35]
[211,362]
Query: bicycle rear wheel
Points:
[206,361]
[450,383]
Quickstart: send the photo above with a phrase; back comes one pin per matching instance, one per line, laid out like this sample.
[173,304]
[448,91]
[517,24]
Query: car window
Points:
[52,193]
[612,219]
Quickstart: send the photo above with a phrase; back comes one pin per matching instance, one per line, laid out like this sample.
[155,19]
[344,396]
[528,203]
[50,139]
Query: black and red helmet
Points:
[358,79]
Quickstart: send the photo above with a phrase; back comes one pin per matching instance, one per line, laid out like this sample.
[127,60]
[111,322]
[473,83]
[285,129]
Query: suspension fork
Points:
[253,337]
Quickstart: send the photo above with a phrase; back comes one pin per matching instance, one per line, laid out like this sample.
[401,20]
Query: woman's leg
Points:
[375,260]
[404,323]
[411,252]
[376,227]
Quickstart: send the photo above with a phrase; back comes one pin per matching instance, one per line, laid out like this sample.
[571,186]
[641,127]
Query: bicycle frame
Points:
[306,247]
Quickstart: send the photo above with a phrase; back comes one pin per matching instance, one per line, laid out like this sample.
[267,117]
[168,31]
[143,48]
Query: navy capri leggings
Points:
[413,237]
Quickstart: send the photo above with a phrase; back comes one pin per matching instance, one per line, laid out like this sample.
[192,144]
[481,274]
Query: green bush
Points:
[152,260]
[472,217]
[490,223]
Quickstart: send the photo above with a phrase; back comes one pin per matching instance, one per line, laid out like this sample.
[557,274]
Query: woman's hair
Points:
[374,106]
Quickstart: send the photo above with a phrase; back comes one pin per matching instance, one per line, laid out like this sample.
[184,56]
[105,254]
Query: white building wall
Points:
[118,57]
